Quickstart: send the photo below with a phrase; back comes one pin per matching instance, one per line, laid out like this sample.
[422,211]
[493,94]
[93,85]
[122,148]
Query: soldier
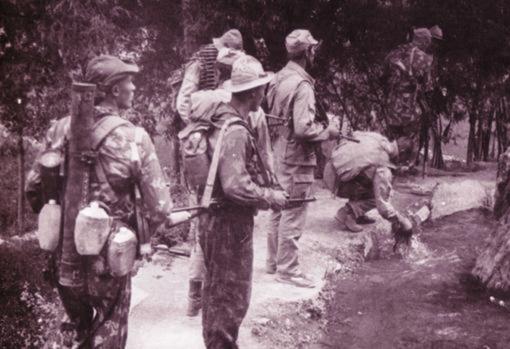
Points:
[291,96]
[203,106]
[226,232]
[203,72]
[361,172]
[408,70]
[99,313]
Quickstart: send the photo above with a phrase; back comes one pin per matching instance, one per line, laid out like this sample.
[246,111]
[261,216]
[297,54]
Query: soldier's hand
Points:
[278,199]
[178,217]
[333,129]
[145,249]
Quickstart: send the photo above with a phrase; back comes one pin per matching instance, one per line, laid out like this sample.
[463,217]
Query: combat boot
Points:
[347,220]
[194,298]
[364,219]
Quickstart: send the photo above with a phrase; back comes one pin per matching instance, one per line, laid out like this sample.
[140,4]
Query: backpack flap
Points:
[195,159]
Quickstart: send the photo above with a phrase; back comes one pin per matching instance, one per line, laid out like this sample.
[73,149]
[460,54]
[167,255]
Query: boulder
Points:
[449,198]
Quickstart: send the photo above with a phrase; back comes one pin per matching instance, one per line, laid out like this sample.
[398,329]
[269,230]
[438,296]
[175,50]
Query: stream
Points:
[424,301]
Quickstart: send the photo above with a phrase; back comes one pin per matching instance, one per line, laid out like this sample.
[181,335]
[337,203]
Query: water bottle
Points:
[48,226]
[122,252]
[91,229]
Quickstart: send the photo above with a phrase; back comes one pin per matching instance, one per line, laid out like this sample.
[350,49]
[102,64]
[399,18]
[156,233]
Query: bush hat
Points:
[247,73]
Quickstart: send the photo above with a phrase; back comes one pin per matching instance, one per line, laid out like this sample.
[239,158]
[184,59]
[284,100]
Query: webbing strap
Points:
[213,169]
[103,127]
[101,130]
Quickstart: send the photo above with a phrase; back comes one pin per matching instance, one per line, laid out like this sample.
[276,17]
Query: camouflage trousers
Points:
[97,314]
[360,193]
[226,237]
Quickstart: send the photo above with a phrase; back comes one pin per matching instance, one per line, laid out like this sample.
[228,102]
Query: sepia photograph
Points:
[255,174]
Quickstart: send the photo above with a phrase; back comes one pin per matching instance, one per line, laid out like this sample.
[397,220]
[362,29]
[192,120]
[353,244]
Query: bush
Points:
[30,307]
[9,190]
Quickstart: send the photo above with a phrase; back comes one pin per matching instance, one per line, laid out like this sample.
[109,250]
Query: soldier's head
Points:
[422,38]
[114,80]
[437,36]
[225,59]
[230,39]
[248,82]
[301,47]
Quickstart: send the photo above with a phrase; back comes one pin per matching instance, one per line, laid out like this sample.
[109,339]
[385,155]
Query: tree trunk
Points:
[21,183]
[471,140]
[492,266]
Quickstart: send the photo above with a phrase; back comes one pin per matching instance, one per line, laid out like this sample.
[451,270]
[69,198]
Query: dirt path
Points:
[280,316]
[158,312]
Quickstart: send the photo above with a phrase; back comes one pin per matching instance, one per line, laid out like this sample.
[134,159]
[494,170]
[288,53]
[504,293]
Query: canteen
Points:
[91,229]
[48,226]
[122,250]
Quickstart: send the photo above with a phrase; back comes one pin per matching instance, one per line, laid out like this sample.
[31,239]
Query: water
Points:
[423,301]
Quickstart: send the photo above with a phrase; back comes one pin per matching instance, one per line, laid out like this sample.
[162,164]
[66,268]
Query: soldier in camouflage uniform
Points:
[206,70]
[226,232]
[408,72]
[291,97]
[98,313]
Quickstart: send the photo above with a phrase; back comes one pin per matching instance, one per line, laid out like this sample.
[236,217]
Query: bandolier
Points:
[209,77]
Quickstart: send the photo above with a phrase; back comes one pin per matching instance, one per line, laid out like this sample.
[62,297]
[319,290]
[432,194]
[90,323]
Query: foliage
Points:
[30,313]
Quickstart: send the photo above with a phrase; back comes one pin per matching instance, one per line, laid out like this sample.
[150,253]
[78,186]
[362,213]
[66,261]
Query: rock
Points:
[449,198]
[263,321]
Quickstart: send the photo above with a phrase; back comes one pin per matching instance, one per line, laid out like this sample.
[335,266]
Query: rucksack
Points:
[200,169]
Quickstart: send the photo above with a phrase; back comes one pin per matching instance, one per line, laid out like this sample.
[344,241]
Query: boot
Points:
[364,219]
[347,220]
[194,298]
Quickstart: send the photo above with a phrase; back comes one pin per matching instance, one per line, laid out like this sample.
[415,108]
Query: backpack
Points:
[200,169]
[206,56]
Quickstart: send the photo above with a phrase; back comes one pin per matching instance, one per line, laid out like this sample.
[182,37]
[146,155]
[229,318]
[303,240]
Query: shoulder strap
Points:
[101,130]
[213,169]
[103,127]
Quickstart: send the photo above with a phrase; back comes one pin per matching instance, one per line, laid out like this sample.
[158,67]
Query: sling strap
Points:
[213,169]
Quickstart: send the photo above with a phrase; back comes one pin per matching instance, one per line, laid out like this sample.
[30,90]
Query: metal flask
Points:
[122,249]
[92,229]
[48,226]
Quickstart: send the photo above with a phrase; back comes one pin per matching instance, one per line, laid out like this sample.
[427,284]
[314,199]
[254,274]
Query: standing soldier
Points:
[408,70]
[126,158]
[226,231]
[203,106]
[203,72]
[291,96]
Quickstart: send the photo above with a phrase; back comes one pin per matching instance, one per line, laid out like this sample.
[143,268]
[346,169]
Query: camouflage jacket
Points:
[239,180]
[408,72]
[128,158]
[291,96]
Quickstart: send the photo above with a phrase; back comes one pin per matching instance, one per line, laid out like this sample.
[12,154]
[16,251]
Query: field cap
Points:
[299,40]
[422,33]
[231,39]
[436,32]
[228,56]
[104,70]
[247,73]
